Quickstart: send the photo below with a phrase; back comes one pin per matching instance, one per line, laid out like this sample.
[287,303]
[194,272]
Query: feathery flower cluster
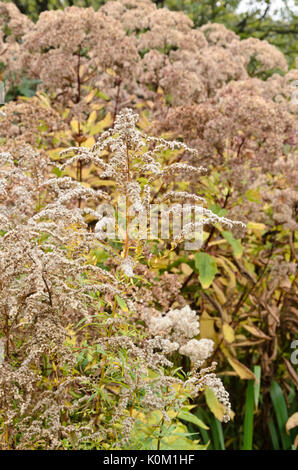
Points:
[180,327]
[49,281]
[198,350]
[131,160]
[216,385]
[177,326]
[45,285]
[220,97]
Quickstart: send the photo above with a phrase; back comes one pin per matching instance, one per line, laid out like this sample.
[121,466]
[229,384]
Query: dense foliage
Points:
[133,342]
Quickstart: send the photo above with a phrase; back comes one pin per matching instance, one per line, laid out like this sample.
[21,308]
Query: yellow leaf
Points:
[215,406]
[71,336]
[256,228]
[217,242]
[228,332]
[186,269]
[101,125]
[44,99]
[94,181]
[82,70]
[90,96]
[115,389]
[65,113]
[219,292]
[228,268]
[75,126]
[143,122]
[111,72]
[89,142]
[92,118]
[97,106]
[55,153]
[207,326]
[241,369]
[91,365]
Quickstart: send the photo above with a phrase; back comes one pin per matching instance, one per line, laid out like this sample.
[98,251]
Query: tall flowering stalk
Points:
[134,162]
[50,280]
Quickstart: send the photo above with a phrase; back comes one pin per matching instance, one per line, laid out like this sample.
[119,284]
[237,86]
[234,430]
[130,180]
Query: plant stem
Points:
[160,434]
[78,99]
[118,84]
[127,218]
[103,365]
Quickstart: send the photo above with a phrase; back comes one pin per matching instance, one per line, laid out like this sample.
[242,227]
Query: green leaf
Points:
[217,434]
[101,255]
[253,195]
[273,435]
[100,350]
[281,413]
[218,210]
[235,244]
[248,417]
[257,384]
[190,418]
[57,171]
[202,415]
[122,304]
[169,99]
[101,94]
[206,265]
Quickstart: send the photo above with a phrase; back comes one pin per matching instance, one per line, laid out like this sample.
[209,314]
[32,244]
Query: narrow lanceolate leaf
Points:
[256,332]
[122,304]
[281,413]
[273,435]
[217,434]
[235,243]
[241,369]
[92,117]
[206,438]
[257,384]
[206,265]
[190,418]
[248,417]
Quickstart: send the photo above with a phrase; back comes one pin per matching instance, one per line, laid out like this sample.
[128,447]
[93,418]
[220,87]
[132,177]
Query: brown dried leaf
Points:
[256,332]
[292,372]
[292,422]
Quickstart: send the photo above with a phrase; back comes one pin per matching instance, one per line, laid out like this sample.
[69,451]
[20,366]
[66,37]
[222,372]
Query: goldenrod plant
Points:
[148,222]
